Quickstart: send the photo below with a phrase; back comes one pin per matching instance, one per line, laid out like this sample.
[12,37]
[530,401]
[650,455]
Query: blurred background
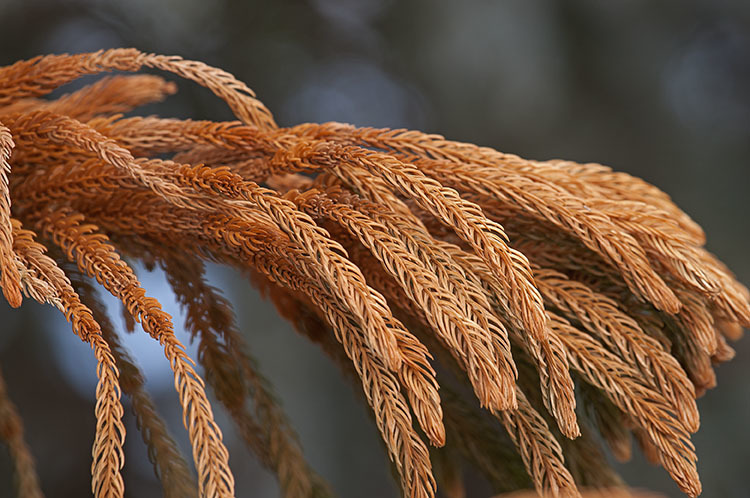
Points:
[660,89]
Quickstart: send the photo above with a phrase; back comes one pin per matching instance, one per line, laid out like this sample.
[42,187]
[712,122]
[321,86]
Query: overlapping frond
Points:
[395,250]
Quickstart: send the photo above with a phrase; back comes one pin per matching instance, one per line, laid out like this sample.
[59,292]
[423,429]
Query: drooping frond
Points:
[169,464]
[235,378]
[107,452]
[94,256]
[11,279]
[563,297]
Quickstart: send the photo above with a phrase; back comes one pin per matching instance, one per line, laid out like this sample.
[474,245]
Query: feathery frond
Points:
[395,250]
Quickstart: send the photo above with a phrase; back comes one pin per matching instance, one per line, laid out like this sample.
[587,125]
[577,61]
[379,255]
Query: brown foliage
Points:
[376,244]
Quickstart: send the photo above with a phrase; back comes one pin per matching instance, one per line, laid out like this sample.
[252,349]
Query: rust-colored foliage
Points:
[394,250]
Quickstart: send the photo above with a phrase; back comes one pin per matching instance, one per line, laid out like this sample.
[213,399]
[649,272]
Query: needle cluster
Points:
[495,310]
